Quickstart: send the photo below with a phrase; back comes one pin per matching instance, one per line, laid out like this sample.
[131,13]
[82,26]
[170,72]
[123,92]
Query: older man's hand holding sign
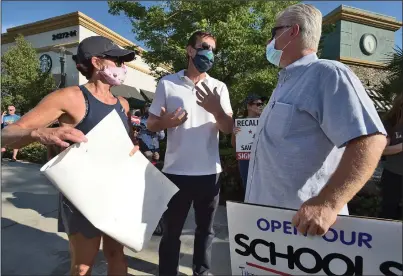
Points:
[210,101]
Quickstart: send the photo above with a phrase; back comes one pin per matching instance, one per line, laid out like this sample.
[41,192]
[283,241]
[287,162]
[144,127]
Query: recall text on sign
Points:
[245,137]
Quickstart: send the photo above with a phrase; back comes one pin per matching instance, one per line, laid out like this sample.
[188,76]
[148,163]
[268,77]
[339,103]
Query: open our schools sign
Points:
[245,137]
[264,242]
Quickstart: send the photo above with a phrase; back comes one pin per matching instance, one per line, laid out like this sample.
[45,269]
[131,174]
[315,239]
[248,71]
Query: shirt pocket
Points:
[279,120]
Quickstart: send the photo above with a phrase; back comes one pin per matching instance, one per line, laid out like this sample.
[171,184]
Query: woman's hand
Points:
[134,150]
[236,130]
[58,136]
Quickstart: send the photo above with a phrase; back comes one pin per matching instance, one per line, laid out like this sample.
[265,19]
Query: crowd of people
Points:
[318,141]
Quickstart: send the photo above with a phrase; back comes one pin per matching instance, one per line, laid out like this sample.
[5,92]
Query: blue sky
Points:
[14,13]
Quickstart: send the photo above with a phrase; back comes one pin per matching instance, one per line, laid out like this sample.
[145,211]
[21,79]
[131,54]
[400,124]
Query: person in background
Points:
[319,138]
[78,109]
[392,176]
[192,160]
[9,117]
[149,141]
[253,109]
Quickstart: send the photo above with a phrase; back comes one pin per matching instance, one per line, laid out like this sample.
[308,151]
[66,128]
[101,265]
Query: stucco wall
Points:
[350,37]
[45,40]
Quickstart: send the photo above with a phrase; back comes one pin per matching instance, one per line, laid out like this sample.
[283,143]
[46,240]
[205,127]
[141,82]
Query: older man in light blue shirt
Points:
[319,138]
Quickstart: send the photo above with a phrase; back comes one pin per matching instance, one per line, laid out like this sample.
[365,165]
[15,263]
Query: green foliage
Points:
[22,82]
[242,29]
[34,152]
[393,85]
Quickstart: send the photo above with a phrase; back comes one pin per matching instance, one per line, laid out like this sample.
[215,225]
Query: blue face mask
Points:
[272,54]
[204,60]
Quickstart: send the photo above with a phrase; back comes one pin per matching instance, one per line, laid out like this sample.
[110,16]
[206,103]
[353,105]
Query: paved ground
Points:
[31,246]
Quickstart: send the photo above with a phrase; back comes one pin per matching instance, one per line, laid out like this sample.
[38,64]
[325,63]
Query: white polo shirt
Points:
[192,148]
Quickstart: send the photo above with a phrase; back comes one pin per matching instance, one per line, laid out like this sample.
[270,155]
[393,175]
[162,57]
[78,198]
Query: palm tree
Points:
[393,85]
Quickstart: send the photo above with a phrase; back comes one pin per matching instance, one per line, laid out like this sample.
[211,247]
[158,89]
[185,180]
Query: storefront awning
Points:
[127,92]
[147,95]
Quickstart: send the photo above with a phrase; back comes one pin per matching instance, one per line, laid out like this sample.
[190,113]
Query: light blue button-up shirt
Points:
[317,107]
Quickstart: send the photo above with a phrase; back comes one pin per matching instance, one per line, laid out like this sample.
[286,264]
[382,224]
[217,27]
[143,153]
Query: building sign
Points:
[245,137]
[263,241]
[64,35]
[45,63]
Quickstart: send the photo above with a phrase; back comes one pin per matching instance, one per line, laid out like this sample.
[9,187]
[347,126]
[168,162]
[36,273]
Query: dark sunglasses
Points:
[206,46]
[115,60]
[275,29]
[257,104]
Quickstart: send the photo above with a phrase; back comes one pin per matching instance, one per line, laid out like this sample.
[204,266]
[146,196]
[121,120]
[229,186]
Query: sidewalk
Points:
[31,245]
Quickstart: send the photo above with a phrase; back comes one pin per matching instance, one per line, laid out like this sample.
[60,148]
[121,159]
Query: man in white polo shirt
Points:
[194,107]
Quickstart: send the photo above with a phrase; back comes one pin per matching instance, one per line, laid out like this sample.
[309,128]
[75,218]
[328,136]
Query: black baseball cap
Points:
[99,46]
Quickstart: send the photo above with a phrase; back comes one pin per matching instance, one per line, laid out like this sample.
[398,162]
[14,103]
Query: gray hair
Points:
[309,20]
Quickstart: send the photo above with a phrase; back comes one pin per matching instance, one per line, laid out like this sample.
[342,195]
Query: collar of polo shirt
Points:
[297,64]
[181,75]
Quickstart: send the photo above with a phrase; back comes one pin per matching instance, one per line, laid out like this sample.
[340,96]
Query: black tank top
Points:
[97,110]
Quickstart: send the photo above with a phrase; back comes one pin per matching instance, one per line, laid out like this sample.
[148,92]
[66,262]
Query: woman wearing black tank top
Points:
[78,110]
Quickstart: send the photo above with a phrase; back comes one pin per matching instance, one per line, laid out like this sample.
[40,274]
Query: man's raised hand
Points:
[210,101]
[173,119]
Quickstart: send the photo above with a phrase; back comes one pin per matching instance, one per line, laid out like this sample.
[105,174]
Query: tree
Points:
[22,83]
[393,85]
[242,29]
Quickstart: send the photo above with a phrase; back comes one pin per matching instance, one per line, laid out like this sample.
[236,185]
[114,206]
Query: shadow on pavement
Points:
[32,252]
[44,204]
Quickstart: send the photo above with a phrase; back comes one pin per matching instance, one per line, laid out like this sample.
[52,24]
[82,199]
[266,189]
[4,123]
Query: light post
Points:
[62,58]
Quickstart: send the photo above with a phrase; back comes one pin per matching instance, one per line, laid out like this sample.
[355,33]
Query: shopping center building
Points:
[361,39]
[62,34]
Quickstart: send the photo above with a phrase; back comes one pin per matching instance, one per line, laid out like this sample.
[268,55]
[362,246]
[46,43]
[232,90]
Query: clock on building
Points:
[368,44]
[45,63]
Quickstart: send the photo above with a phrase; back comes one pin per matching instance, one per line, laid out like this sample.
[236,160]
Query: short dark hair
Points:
[199,34]
[86,68]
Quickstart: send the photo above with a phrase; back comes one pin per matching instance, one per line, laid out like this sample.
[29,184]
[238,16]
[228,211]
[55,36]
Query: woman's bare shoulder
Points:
[124,103]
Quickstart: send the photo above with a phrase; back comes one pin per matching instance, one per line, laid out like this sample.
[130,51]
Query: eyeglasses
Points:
[206,46]
[257,104]
[115,60]
[275,29]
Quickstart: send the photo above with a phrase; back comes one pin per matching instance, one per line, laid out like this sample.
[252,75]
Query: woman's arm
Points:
[233,143]
[395,149]
[233,136]
[125,105]
[33,125]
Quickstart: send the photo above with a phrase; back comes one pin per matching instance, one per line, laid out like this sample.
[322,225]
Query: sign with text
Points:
[245,137]
[264,242]
[64,35]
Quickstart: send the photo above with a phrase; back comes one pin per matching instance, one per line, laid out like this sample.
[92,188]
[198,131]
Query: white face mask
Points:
[272,54]
[114,75]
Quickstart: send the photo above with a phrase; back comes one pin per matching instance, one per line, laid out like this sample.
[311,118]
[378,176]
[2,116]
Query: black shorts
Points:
[71,221]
